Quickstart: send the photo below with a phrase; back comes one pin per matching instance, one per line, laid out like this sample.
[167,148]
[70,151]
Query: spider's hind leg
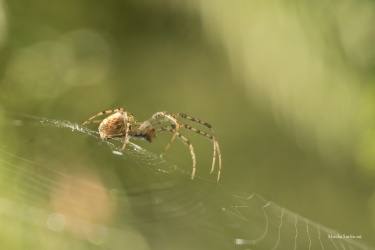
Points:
[102,113]
[126,137]
[92,121]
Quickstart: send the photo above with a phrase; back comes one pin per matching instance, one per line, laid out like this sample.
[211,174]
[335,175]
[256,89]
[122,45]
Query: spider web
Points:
[55,196]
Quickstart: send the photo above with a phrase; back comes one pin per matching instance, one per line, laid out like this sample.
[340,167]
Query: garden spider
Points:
[122,124]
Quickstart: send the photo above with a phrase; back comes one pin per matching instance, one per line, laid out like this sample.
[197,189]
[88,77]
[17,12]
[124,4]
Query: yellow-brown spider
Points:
[122,124]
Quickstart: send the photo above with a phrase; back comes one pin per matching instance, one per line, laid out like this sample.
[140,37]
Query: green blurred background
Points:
[287,85]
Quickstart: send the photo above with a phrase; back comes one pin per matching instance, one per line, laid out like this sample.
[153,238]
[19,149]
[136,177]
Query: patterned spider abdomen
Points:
[113,126]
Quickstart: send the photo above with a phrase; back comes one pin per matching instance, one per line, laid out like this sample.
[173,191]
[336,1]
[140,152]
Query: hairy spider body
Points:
[114,126]
[122,124]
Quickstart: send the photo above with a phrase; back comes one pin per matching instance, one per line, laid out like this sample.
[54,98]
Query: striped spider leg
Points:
[210,136]
[157,119]
[185,140]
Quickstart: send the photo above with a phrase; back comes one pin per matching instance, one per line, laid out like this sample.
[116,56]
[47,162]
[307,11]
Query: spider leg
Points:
[175,123]
[102,113]
[209,136]
[191,152]
[219,169]
[187,142]
[92,121]
[157,124]
[126,137]
[215,150]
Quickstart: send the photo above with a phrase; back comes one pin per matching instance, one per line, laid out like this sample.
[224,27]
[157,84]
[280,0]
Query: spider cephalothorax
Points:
[122,124]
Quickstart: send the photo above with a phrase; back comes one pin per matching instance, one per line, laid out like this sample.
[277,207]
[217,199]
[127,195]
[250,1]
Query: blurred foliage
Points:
[288,86]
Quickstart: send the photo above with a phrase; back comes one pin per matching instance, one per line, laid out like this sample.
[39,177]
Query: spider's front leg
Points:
[174,121]
[210,136]
[186,141]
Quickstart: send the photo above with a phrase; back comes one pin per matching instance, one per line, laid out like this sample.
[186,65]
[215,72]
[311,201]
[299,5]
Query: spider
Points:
[122,124]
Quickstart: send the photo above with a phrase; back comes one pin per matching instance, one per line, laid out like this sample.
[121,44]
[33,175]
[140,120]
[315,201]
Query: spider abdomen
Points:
[112,126]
